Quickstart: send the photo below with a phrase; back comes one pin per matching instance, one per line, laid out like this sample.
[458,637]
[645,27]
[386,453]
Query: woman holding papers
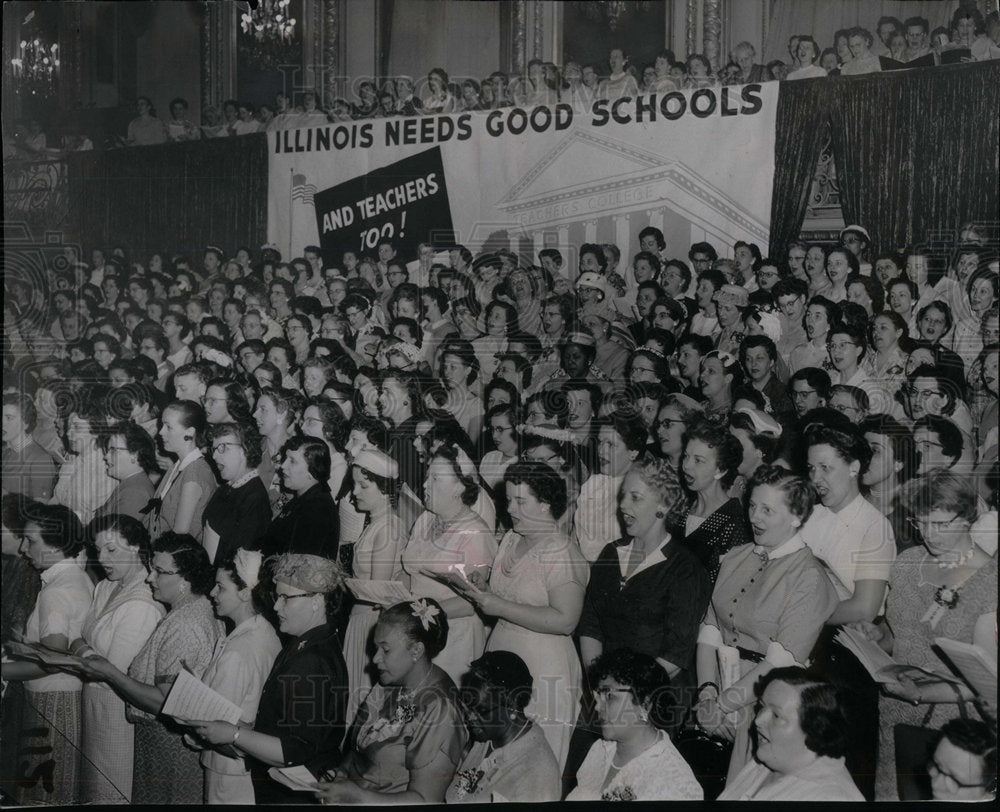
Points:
[376,558]
[241,664]
[300,716]
[447,535]
[941,589]
[768,608]
[50,726]
[122,616]
[536,593]
[165,771]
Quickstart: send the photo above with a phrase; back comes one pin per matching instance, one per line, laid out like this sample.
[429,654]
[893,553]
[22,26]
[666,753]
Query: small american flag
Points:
[301,190]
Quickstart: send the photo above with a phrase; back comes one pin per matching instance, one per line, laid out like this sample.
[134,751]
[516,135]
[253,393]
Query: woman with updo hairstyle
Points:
[84,484]
[447,535]
[720,375]
[500,321]
[408,738]
[885,364]
[165,771]
[635,758]
[376,557]
[183,492]
[325,421]
[459,369]
[713,522]
[893,463]
[536,591]
[122,616]
[295,724]
[770,602]
[239,512]
[803,736]
[241,663]
[50,723]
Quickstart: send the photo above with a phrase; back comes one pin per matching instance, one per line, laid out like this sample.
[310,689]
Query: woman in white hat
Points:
[376,558]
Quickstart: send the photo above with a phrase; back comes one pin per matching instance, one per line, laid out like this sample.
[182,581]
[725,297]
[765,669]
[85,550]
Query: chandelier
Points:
[613,10]
[36,67]
[268,29]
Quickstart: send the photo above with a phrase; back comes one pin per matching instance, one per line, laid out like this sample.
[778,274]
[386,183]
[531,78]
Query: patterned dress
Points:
[165,771]
[911,596]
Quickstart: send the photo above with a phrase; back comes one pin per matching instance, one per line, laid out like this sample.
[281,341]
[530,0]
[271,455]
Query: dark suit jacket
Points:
[309,524]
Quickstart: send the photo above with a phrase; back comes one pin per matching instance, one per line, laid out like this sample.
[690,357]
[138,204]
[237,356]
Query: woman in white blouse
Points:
[122,616]
[50,726]
[635,760]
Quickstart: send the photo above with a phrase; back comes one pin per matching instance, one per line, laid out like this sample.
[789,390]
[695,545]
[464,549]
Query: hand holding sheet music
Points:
[191,699]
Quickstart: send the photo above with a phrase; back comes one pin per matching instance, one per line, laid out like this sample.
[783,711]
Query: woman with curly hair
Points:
[769,604]
[635,761]
[165,771]
[713,523]
[536,594]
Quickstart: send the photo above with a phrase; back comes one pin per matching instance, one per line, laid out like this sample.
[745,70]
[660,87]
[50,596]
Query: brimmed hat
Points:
[581,338]
[857,229]
[378,463]
[732,295]
[595,281]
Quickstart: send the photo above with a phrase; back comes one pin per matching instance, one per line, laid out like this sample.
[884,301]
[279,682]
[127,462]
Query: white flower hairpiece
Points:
[247,564]
[217,357]
[423,610]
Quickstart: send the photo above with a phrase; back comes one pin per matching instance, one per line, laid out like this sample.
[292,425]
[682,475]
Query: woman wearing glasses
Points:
[509,758]
[300,716]
[239,512]
[164,770]
[963,766]
[945,588]
[635,761]
[130,457]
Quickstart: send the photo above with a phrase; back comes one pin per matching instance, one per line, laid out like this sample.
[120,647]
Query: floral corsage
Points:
[619,794]
[468,781]
[383,729]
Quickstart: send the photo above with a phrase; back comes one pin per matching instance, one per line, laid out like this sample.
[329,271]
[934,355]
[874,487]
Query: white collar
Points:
[652,558]
[23,444]
[794,544]
[243,480]
[49,575]
[190,457]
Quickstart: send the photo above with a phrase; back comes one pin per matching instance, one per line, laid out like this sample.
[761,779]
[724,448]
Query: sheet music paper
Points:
[973,665]
[296,778]
[868,652]
[191,699]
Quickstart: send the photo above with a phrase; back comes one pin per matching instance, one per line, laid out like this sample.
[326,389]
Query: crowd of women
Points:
[892,44]
[457,527]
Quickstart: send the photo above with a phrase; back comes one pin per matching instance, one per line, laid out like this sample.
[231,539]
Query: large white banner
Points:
[698,164]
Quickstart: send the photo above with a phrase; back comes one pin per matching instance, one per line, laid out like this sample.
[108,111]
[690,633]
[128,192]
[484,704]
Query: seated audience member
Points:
[408,739]
[963,764]
[509,758]
[635,760]
[802,737]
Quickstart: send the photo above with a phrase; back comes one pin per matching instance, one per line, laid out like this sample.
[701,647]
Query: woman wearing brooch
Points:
[509,758]
[945,588]
[770,602]
[407,740]
[300,716]
[635,761]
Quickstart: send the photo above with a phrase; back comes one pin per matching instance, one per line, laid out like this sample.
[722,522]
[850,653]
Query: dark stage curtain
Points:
[173,197]
[916,151]
[802,128]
